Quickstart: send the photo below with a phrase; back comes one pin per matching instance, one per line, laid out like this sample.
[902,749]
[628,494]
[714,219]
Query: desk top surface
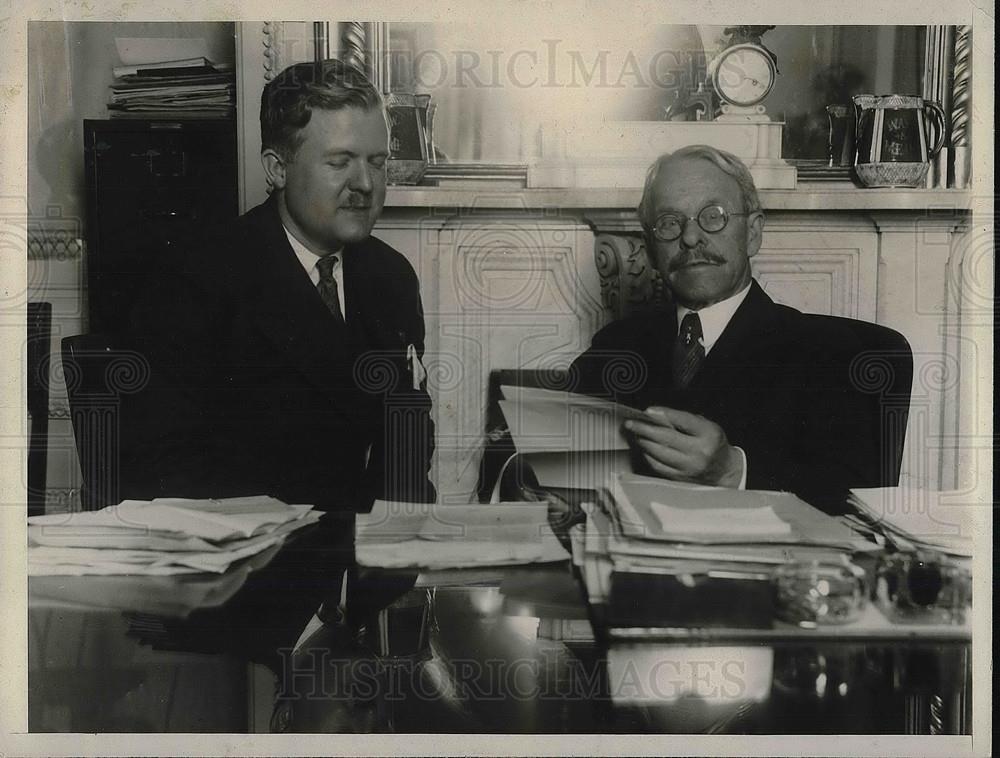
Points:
[498,650]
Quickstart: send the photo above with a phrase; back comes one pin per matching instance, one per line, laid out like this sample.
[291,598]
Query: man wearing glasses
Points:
[741,391]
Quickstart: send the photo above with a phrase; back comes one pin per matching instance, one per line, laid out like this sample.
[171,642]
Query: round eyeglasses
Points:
[711,218]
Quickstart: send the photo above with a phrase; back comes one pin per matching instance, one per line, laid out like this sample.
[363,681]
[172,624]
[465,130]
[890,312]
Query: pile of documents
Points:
[193,87]
[162,536]
[910,518]
[420,535]
[658,552]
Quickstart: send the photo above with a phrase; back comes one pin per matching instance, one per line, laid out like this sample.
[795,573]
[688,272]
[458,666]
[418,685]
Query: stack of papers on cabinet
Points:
[162,536]
[921,518]
[421,535]
[192,87]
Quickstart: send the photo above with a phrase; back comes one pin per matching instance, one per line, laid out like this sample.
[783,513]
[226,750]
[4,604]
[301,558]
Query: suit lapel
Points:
[370,302]
[289,312]
[739,341]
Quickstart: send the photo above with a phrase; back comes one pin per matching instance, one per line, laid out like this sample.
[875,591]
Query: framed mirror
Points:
[496,89]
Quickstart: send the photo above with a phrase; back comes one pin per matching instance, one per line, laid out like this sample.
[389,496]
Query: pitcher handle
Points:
[938,114]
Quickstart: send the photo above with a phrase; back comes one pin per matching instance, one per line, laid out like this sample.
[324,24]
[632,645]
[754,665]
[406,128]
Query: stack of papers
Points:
[572,441]
[654,526]
[189,87]
[909,516]
[419,535]
[161,537]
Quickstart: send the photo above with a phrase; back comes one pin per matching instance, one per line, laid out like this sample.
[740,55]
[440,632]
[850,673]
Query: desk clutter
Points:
[658,557]
[161,537]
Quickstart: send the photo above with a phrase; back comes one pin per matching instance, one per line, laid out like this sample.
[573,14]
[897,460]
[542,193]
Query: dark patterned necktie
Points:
[689,353]
[327,285]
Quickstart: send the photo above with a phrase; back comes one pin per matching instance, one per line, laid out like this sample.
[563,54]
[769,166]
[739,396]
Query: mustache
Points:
[694,256]
[358,202]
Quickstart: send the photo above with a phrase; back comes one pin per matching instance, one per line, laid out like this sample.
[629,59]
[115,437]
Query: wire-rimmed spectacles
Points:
[711,218]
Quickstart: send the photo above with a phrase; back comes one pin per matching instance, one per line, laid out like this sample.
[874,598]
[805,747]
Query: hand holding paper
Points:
[685,447]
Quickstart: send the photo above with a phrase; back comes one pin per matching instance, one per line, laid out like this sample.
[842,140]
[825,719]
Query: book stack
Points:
[655,553]
[161,537]
[188,88]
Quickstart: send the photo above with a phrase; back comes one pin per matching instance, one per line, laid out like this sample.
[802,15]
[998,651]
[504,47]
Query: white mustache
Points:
[689,260]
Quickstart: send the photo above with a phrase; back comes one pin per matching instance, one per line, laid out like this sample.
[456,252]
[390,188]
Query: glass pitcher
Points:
[896,136]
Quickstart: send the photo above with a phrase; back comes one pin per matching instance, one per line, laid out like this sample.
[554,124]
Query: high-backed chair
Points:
[100,374]
[37,353]
[883,371]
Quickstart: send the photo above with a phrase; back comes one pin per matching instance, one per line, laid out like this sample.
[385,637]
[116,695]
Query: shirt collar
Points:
[306,256]
[714,318]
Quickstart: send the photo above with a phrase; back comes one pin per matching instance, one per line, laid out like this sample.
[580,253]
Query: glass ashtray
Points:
[815,593]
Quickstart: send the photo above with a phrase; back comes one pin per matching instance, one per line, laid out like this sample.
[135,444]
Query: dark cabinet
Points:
[151,185]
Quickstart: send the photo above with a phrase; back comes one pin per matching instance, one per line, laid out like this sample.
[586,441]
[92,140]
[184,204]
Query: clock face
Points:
[745,75]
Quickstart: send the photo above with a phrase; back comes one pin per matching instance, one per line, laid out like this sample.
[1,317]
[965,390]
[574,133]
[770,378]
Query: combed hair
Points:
[726,161]
[288,100]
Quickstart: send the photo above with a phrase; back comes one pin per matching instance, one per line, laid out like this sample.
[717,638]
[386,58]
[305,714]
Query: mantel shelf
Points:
[808,197]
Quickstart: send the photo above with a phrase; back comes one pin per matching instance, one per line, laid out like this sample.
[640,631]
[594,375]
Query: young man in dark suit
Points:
[285,350]
[743,392]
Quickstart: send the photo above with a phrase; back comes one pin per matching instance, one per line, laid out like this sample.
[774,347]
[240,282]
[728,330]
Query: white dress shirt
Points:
[308,260]
[714,320]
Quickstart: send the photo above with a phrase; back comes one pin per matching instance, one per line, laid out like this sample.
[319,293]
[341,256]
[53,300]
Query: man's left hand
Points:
[686,447]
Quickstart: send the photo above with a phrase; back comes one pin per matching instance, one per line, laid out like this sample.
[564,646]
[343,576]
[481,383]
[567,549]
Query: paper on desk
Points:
[214,520]
[418,535]
[730,522]
[82,560]
[632,497]
[94,549]
[941,519]
[419,553]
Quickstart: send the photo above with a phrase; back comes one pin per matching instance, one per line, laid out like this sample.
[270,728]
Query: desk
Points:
[513,652]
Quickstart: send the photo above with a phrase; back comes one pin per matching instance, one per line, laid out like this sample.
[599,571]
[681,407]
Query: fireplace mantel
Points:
[807,197]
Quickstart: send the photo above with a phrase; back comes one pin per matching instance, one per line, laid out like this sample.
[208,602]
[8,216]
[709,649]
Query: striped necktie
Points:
[689,353]
[327,285]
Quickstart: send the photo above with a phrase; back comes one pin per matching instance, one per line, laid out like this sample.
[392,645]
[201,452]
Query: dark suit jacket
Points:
[256,388]
[777,382]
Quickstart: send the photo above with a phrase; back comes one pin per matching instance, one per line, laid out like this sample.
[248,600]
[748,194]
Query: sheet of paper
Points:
[730,522]
[501,522]
[631,497]
[416,535]
[578,470]
[548,420]
[419,553]
[391,521]
[941,519]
